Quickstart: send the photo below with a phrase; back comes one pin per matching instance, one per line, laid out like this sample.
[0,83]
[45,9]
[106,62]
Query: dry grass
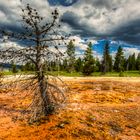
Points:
[96,109]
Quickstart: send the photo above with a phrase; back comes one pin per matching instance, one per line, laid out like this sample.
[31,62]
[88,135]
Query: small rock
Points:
[62,125]
[116,111]
[130,100]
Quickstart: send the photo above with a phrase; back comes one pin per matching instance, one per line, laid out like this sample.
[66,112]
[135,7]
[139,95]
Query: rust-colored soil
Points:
[96,109]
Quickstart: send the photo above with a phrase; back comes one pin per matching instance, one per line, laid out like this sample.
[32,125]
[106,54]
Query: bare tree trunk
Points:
[42,105]
[44,94]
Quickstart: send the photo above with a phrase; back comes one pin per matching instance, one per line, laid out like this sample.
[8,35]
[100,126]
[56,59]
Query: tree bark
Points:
[42,103]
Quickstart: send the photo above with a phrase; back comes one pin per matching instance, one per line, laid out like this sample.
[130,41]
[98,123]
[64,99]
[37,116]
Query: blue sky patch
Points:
[62,2]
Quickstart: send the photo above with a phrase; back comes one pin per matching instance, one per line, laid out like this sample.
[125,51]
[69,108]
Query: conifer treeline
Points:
[89,64]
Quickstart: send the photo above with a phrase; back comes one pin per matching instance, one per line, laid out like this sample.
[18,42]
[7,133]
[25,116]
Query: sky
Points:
[96,21]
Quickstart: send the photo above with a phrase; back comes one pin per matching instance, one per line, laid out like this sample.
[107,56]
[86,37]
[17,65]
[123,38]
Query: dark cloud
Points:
[11,27]
[108,4]
[79,28]
[122,26]
[128,32]
[102,3]
[15,28]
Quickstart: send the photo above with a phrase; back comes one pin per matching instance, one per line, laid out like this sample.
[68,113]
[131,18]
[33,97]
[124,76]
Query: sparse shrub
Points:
[115,127]
[121,74]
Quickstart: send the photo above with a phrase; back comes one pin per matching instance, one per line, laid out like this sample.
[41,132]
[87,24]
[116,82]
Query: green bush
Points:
[121,74]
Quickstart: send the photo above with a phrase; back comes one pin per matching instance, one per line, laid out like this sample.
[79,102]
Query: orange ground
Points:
[96,109]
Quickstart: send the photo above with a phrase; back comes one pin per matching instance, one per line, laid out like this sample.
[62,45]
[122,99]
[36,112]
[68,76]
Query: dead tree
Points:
[41,35]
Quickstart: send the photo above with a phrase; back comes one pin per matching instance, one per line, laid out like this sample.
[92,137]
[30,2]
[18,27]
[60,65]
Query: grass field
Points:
[76,74]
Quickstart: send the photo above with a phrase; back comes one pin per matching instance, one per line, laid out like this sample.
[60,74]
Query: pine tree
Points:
[125,66]
[79,65]
[138,62]
[131,62]
[71,56]
[106,62]
[119,60]
[110,64]
[65,64]
[14,67]
[28,67]
[98,65]
[89,62]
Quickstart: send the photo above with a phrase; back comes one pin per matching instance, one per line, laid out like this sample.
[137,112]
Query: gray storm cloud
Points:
[115,19]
